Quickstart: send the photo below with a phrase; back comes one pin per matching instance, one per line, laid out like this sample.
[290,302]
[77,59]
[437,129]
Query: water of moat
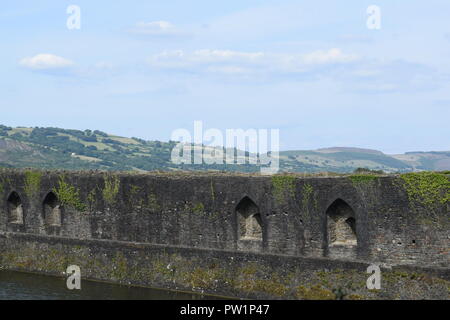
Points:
[25,286]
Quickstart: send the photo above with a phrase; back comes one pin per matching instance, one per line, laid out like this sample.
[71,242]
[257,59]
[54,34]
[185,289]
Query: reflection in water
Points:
[23,286]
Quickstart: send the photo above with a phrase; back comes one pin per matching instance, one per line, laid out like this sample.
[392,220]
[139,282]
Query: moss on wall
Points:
[316,292]
[119,267]
[204,278]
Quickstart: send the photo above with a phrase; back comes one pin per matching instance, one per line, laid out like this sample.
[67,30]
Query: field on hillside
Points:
[93,149]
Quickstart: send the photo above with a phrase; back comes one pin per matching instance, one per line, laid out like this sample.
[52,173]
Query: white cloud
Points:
[355,38]
[237,62]
[353,72]
[45,61]
[228,70]
[156,28]
[225,62]
[226,55]
[374,76]
[334,55]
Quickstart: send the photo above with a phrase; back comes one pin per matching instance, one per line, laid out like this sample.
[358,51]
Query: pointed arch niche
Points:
[341,237]
[249,226]
[52,210]
[15,209]
[341,224]
[249,220]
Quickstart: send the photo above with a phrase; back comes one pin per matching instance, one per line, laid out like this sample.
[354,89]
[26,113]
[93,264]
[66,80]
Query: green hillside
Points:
[55,148]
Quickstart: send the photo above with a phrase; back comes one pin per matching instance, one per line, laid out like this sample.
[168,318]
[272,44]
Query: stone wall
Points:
[363,219]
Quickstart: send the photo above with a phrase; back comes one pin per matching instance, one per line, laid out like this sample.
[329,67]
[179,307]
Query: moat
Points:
[26,286]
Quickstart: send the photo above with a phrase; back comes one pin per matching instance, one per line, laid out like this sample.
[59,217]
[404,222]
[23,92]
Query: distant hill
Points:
[56,148]
[426,160]
[347,149]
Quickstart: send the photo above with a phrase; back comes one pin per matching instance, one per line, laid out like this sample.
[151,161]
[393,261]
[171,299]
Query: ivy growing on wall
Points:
[359,179]
[213,195]
[430,189]
[283,187]
[111,189]
[307,197]
[32,183]
[68,195]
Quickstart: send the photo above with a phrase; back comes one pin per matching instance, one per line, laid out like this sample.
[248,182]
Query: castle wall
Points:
[200,212]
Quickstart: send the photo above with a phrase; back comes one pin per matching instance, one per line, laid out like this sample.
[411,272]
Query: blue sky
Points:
[309,68]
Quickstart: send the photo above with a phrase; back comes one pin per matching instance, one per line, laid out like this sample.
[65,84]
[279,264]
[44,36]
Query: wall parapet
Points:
[352,218]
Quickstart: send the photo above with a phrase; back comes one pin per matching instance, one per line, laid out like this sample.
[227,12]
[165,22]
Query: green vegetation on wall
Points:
[134,191]
[152,203]
[111,189]
[68,195]
[430,189]
[143,203]
[307,196]
[199,208]
[283,187]
[2,186]
[213,195]
[358,179]
[32,182]
[4,182]
[92,197]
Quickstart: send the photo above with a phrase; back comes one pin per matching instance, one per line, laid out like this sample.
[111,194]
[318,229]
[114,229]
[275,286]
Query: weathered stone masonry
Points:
[198,231]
